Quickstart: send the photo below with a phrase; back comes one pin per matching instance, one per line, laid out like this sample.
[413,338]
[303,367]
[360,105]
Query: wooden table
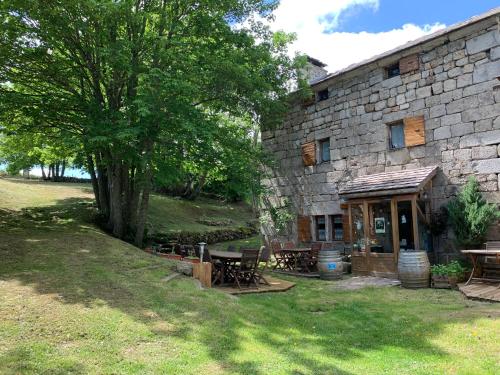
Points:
[473,255]
[294,255]
[227,258]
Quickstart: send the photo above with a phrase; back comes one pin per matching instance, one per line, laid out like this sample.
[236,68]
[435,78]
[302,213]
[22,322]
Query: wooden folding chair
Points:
[264,259]
[244,272]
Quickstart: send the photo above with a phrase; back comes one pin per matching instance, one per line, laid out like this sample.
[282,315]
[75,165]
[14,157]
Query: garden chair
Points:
[244,272]
[309,261]
[263,265]
[279,256]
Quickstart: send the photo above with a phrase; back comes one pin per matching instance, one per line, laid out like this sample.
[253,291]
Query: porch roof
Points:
[388,183]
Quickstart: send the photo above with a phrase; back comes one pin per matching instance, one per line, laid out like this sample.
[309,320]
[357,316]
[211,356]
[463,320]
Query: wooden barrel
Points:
[414,269]
[330,265]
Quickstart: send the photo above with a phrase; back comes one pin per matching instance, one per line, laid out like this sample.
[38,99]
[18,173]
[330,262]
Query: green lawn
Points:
[74,300]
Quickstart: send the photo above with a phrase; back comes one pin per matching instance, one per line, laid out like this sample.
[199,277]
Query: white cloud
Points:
[312,18]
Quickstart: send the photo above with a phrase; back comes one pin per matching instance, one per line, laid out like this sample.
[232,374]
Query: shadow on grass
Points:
[305,330]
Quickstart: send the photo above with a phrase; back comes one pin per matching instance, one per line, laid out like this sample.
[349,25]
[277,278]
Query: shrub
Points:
[454,268]
[470,216]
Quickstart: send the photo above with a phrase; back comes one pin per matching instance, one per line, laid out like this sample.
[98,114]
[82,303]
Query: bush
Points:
[193,238]
[470,216]
[454,268]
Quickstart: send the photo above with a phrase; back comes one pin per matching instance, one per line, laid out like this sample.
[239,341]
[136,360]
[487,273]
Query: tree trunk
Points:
[93,178]
[57,171]
[142,214]
[63,168]
[102,181]
[44,176]
[115,221]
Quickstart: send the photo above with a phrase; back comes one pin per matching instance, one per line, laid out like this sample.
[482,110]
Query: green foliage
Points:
[470,215]
[141,86]
[282,216]
[454,268]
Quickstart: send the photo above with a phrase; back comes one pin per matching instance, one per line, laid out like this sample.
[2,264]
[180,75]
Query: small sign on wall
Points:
[379,225]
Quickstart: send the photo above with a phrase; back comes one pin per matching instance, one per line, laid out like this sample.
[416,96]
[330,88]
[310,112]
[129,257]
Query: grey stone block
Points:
[486,72]
[451,119]
[484,152]
[423,92]
[480,139]
[444,132]
[462,129]
[449,85]
[486,166]
[483,42]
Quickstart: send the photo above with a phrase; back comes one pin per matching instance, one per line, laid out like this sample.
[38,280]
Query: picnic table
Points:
[227,259]
[474,255]
[294,256]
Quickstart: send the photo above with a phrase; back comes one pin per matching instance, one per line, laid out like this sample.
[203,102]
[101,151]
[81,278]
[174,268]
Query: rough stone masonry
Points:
[456,89]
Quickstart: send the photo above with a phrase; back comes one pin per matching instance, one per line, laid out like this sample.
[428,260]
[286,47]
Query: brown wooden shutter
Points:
[346,228]
[414,131]
[304,228]
[309,153]
[408,64]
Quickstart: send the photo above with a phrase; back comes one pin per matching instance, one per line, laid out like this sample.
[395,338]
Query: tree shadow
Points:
[305,330]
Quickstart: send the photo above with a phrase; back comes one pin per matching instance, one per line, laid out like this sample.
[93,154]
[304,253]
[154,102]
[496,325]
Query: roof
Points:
[316,62]
[413,43]
[388,183]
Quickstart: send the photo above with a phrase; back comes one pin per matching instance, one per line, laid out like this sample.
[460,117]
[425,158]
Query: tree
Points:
[127,77]
[470,216]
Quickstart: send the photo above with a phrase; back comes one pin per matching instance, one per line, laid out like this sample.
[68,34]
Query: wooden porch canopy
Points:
[387,213]
[389,183]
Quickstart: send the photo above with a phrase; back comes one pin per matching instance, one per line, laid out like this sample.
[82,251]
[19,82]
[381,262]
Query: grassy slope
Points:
[75,300]
[169,214]
[166,214]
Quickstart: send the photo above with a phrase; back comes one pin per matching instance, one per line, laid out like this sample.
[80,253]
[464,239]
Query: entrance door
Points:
[405,222]
[380,238]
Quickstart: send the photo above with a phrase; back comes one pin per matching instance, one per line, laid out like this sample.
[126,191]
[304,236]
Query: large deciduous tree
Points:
[127,77]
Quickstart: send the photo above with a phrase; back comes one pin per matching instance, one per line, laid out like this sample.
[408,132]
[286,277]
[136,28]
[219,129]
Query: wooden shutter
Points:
[304,228]
[309,153]
[408,64]
[346,228]
[414,131]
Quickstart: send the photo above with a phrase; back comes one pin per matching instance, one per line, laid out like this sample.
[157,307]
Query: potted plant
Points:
[447,276]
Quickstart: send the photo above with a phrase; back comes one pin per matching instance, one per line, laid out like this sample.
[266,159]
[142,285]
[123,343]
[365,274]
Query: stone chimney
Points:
[314,70]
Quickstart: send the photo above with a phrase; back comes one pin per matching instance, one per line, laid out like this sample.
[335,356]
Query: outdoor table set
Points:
[296,259]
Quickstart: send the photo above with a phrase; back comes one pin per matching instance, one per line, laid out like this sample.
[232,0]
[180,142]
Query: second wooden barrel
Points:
[330,265]
[414,269]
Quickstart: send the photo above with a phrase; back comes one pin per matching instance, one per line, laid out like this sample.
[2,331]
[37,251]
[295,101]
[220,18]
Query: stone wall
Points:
[456,89]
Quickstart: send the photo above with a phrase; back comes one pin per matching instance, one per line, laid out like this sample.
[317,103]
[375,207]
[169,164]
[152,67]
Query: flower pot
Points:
[453,280]
[440,282]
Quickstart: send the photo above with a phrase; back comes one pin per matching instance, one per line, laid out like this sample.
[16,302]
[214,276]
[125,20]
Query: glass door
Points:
[380,237]
[405,223]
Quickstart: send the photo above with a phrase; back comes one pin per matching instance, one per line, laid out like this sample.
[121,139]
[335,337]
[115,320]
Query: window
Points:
[397,135]
[324,150]
[393,70]
[407,133]
[337,228]
[320,228]
[322,95]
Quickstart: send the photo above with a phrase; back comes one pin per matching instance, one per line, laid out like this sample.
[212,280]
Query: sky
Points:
[344,32]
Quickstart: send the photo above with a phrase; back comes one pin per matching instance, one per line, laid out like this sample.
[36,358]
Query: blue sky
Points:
[391,14]
[344,32]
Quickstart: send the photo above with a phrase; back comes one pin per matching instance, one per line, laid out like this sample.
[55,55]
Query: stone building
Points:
[431,106]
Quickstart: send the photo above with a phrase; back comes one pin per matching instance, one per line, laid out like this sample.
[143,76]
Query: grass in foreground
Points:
[74,300]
